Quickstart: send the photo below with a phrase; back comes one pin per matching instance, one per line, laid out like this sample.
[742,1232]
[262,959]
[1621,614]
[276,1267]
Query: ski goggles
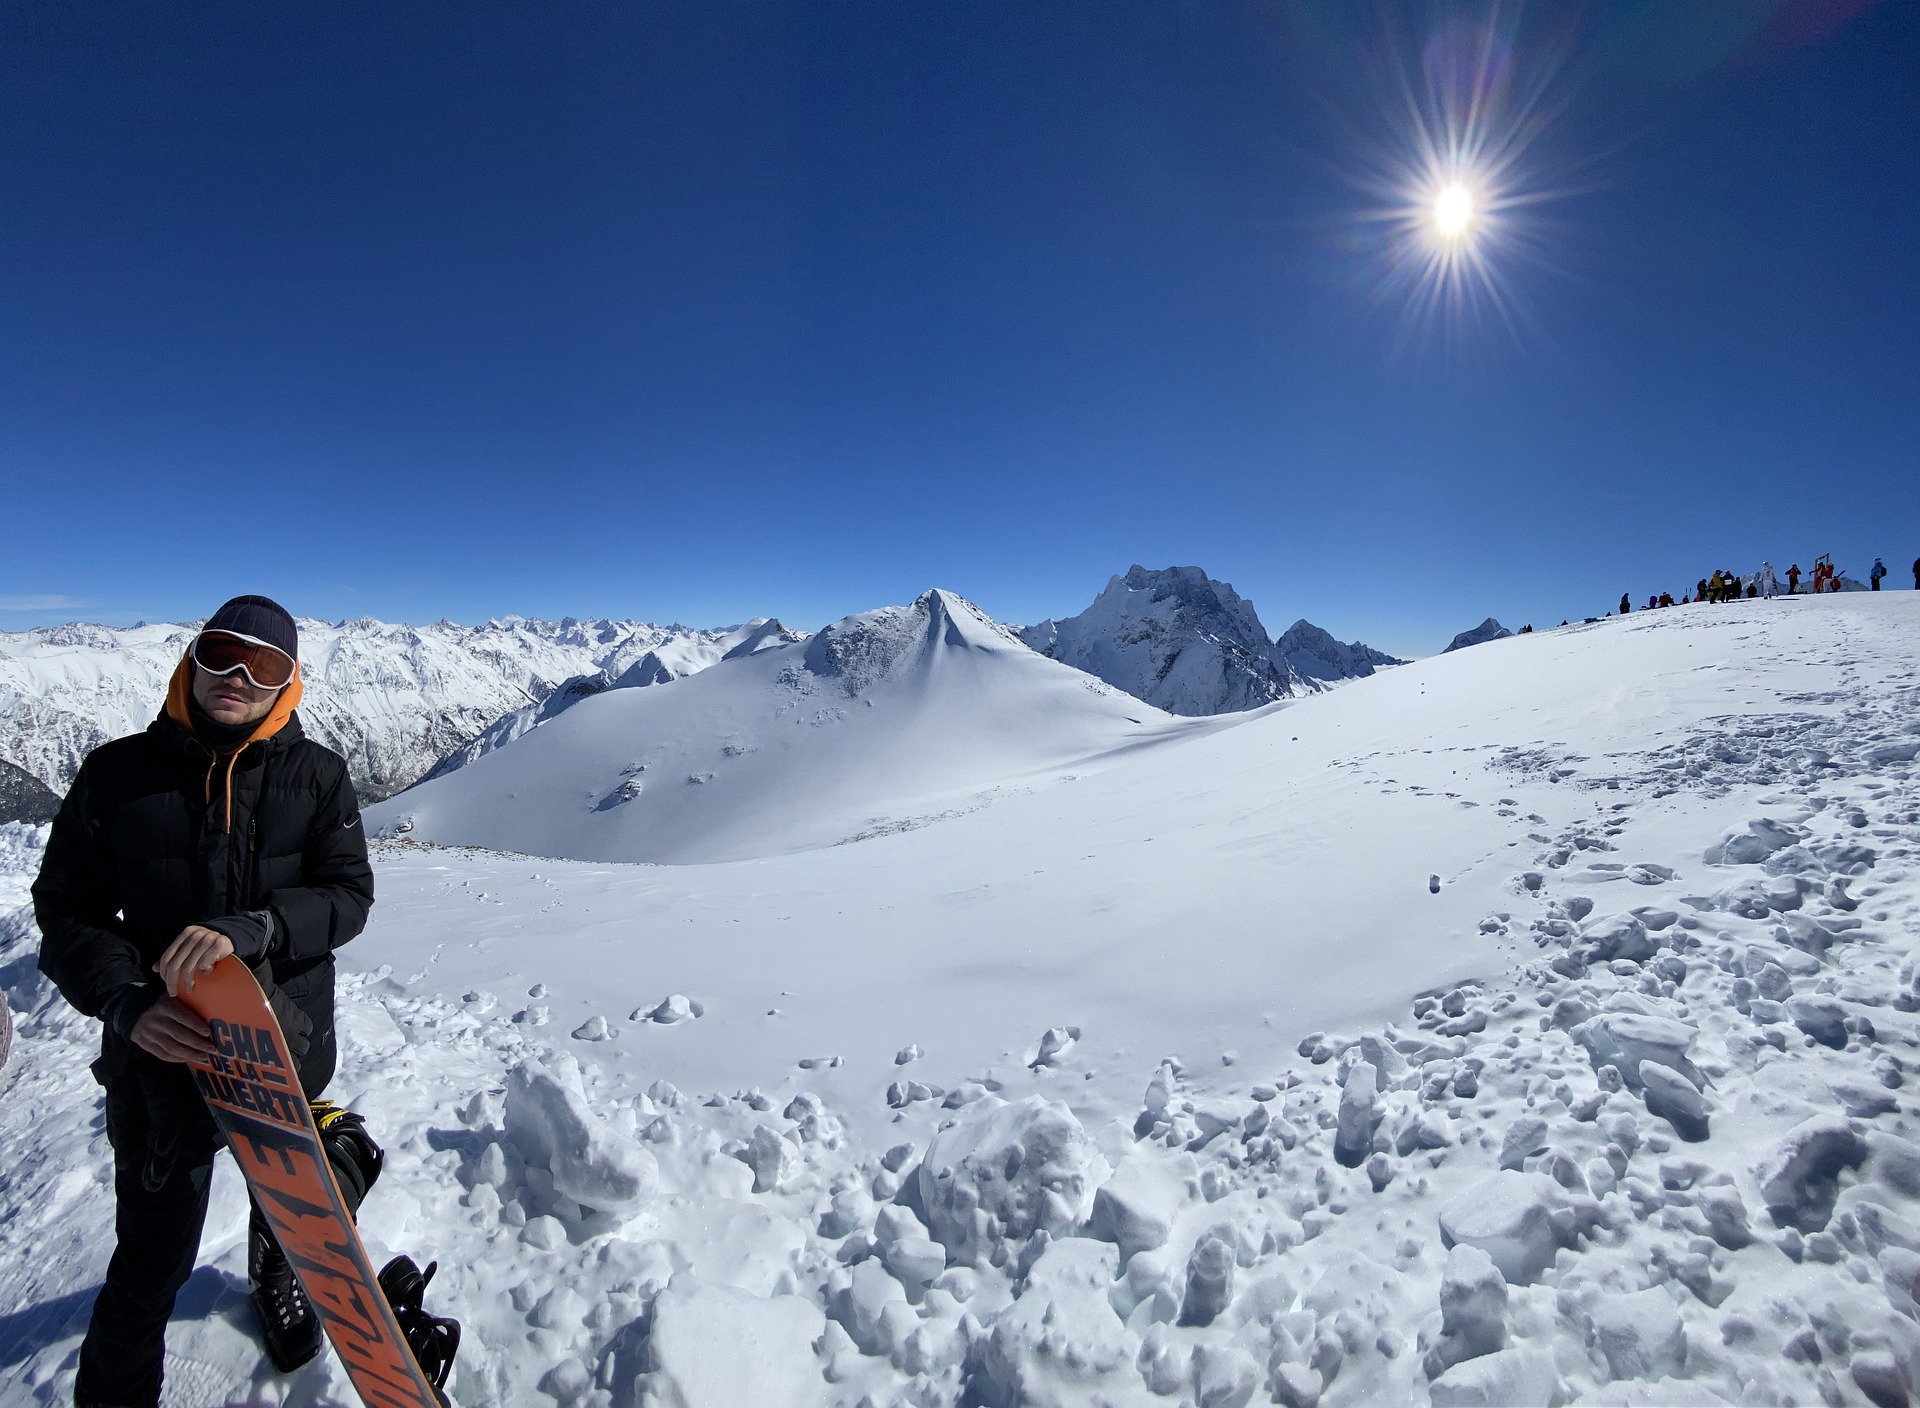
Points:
[223,652]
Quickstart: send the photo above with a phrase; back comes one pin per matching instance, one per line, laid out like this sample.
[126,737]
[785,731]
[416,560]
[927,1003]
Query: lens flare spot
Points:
[1453,211]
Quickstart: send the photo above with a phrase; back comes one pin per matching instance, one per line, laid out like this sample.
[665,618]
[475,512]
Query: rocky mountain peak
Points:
[1190,644]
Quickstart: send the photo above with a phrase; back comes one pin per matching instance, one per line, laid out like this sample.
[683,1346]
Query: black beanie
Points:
[260,617]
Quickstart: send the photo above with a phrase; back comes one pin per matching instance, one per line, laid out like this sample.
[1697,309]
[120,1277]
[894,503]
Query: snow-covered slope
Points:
[877,723]
[393,699]
[672,659]
[1531,1024]
[1185,643]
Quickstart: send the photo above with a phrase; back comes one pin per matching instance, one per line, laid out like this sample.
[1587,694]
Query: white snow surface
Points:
[392,699]
[1062,1100]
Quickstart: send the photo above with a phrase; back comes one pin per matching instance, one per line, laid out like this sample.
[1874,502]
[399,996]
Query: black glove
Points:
[252,933]
[124,1006]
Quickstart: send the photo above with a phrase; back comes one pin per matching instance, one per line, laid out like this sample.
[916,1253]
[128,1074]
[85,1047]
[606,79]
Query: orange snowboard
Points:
[253,1091]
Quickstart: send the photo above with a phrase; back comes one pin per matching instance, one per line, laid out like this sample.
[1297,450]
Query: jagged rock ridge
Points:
[1487,630]
[24,797]
[1177,639]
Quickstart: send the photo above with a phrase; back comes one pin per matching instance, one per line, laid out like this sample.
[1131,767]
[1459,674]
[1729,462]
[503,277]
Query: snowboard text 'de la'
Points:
[250,1086]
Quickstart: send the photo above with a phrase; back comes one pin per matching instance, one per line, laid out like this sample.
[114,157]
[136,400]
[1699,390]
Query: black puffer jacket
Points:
[159,832]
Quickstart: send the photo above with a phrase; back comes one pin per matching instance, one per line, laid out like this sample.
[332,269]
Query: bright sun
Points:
[1453,211]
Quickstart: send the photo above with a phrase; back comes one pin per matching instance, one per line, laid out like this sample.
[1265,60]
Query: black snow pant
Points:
[158,1232]
[160,1208]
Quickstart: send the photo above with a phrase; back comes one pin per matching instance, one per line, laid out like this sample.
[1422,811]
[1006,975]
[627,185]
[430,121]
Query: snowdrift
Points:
[876,724]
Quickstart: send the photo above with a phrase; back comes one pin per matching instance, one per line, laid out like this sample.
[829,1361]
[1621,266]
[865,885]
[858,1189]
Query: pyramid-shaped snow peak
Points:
[881,722]
[1315,654]
[859,651]
[1189,644]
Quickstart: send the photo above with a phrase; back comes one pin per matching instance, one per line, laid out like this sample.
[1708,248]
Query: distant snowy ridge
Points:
[1314,654]
[671,660]
[1181,641]
[392,699]
[881,722]
[1487,630]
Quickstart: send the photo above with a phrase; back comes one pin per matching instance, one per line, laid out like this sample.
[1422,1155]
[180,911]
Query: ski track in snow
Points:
[1717,924]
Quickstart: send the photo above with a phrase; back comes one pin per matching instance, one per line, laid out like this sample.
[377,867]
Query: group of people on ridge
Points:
[1725,585]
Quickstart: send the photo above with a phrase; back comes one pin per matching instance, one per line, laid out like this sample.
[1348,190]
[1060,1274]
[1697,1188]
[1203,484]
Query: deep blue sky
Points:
[704,311]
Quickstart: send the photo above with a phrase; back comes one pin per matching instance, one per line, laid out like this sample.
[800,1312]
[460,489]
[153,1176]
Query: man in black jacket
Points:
[220,830]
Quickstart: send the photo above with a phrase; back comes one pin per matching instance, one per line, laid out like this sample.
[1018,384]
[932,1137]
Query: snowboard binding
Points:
[434,1339]
[356,1159]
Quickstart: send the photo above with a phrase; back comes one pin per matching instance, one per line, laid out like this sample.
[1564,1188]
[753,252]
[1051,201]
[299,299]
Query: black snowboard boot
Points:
[434,1339]
[287,1322]
[356,1159]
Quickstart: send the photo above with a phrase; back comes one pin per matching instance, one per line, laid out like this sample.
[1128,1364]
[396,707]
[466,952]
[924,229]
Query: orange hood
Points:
[181,685]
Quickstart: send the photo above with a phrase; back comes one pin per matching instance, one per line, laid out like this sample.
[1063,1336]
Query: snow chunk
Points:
[1509,1216]
[1209,1278]
[1625,1039]
[1526,1135]
[769,1156]
[1759,839]
[1822,1018]
[1005,1171]
[1055,1042]
[1675,1099]
[1053,1345]
[717,1347]
[1641,1335]
[1473,1310]
[1619,936]
[1895,1162]
[1359,1113]
[1800,1179]
[1523,1374]
[550,1121]
[861,1305]
[1136,1207]
[669,1011]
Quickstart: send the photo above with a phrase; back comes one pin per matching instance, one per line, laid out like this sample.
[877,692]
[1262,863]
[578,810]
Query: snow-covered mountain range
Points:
[1181,641]
[404,702]
[880,723]
[392,699]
